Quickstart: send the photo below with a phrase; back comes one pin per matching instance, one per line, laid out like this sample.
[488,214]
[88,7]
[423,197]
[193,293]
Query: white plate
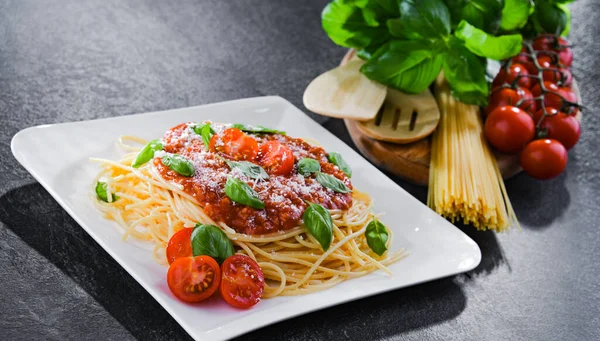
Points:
[57,156]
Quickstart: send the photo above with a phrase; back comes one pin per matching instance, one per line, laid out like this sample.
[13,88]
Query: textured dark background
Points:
[75,60]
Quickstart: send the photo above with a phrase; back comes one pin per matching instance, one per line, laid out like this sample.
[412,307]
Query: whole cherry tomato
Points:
[552,98]
[508,96]
[544,159]
[561,127]
[509,128]
[508,76]
[550,42]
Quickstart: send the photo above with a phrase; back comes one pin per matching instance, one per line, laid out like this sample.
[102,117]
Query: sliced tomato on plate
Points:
[235,144]
[276,158]
[242,281]
[180,245]
[194,279]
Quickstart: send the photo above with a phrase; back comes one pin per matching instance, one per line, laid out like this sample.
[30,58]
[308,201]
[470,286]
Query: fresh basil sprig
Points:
[147,153]
[103,194]
[257,129]
[307,166]
[211,241]
[338,160]
[240,192]
[179,164]
[249,169]
[331,182]
[319,224]
[377,236]
[206,131]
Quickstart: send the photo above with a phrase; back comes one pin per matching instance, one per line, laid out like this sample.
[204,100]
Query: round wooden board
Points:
[411,161]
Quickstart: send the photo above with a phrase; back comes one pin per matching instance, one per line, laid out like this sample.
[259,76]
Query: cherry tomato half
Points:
[544,159]
[561,127]
[508,96]
[180,245]
[242,282]
[235,144]
[550,42]
[276,158]
[193,279]
[508,76]
[509,128]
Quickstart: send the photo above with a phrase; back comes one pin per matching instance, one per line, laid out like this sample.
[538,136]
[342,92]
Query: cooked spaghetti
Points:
[464,180]
[154,203]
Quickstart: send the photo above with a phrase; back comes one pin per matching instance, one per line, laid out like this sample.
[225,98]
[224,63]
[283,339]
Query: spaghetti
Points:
[464,180]
[152,208]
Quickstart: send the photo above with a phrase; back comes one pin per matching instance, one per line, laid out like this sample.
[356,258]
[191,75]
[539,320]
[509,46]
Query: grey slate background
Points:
[73,60]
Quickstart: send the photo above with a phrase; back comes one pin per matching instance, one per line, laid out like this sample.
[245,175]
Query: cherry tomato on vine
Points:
[508,96]
[276,158]
[508,76]
[550,42]
[552,97]
[544,159]
[193,279]
[180,245]
[561,127]
[559,75]
[242,282]
[236,144]
[509,128]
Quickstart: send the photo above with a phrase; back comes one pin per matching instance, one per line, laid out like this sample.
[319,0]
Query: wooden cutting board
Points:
[411,161]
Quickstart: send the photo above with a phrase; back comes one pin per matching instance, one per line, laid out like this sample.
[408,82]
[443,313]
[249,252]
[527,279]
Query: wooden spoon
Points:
[344,92]
[403,118]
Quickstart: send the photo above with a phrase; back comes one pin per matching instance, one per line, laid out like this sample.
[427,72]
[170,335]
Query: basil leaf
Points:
[466,74]
[377,237]
[483,14]
[338,160]
[179,164]
[486,45]
[565,8]
[319,224]
[103,194]
[257,129]
[331,182]
[211,241]
[249,169]
[147,153]
[308,166]
[240,192]
[425,18]
[515,14]
[407,65]
[207,132]
[198,128]
[549,18]
[358,24]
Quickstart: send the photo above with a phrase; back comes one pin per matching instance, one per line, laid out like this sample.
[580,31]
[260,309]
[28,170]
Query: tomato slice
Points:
[180,245]
[235,144]
[242,282]
[193,279]
[276,158]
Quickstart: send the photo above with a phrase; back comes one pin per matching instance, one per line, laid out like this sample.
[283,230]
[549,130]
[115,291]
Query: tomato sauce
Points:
[284,195]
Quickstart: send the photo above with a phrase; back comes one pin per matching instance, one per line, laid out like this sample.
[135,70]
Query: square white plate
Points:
[57,156]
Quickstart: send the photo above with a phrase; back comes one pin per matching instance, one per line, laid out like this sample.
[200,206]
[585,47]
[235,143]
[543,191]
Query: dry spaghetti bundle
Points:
[464,181]
[293,262]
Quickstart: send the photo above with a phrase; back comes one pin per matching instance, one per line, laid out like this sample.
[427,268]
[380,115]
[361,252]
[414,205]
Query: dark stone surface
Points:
[75,60]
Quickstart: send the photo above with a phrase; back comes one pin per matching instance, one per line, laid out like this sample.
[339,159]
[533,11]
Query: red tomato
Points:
[193,279]
[544,159]
[509,76]
[276,158]
[508,96]
[558,75]
[242,282]
[235,144]
[562,127]
[509,128]
[180,245]
[549,42]
[552,98]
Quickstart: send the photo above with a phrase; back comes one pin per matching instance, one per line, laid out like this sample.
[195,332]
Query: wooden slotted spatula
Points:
[403,118]
[345,92]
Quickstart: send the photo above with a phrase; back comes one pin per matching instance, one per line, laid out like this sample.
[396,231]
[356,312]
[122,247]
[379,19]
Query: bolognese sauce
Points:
[284,193]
